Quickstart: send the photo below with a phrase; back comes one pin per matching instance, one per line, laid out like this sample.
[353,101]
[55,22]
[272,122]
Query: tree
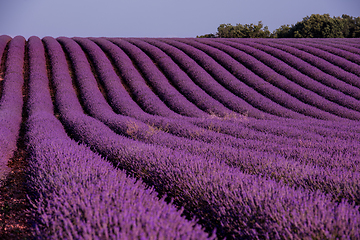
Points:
[210,35]
[243,31]
[315,26]
[226,31]
[351,26]
[282,32]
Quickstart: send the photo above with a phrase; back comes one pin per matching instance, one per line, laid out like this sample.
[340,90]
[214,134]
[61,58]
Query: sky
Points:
[155,18]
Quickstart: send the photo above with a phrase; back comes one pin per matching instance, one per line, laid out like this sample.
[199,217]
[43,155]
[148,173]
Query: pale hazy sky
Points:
[155,18]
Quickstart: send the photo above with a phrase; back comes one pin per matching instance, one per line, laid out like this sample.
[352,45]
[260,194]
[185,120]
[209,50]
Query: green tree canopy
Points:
[317,26]
[241,31]
[314,26]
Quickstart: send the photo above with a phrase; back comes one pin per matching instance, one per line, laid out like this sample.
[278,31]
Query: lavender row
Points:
[305,141]
[95,104]
[249,161]
[337,41]
[327,136]
[183,83]
[324,133]
[317,62]
[340,63]
[120,101]
[256,82]
[171,126]
[147,171]
[135,112]
[237,130]
[97,107]
[292,74]
[178,127]
[77,193]
[346,130]
[172,61]
[306,68]
[4,40]
[84,197]
[345,40]
[11,101]
[158,82]
[142,132]
[347,48]
[231,83]
[198,53]
[132,79]
[347,52]
[218,194]
[116,94]
[340,43]
[292,89]
[233,129]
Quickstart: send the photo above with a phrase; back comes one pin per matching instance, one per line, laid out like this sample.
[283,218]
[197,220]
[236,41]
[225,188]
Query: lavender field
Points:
[184,138]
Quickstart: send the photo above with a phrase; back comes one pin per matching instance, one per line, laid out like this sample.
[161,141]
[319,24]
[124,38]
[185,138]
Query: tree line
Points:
[315,26]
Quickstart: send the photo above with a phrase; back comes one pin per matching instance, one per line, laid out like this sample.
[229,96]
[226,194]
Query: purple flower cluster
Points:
[11,101]
[347,52]
[251,157]
[200,86]
[134,81]
[120,101]
[308,99]
[4,40]
[341,64]
[246,97]
[331,70]
[334,95]
[129,138]
[158,82]
[237,63]
[207,188]
[77,194]
[248,159]
[314,72]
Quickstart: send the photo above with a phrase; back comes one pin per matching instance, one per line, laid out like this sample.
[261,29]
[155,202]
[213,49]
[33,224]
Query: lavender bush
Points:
[11,101]
[144,138]
[178,174]
[319,63]
[334,95]
[78,194]
[282,83]
[231,83]
[158,82]
[250,161]
[261,85]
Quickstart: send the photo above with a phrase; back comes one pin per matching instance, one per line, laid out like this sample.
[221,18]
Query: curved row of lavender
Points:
[343,94]
[77,194]
[304,60]
[11,101]
[344,62]
[187,178]
[247,142]
[277,86]
[350,53]
[188,85]
[250,159]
